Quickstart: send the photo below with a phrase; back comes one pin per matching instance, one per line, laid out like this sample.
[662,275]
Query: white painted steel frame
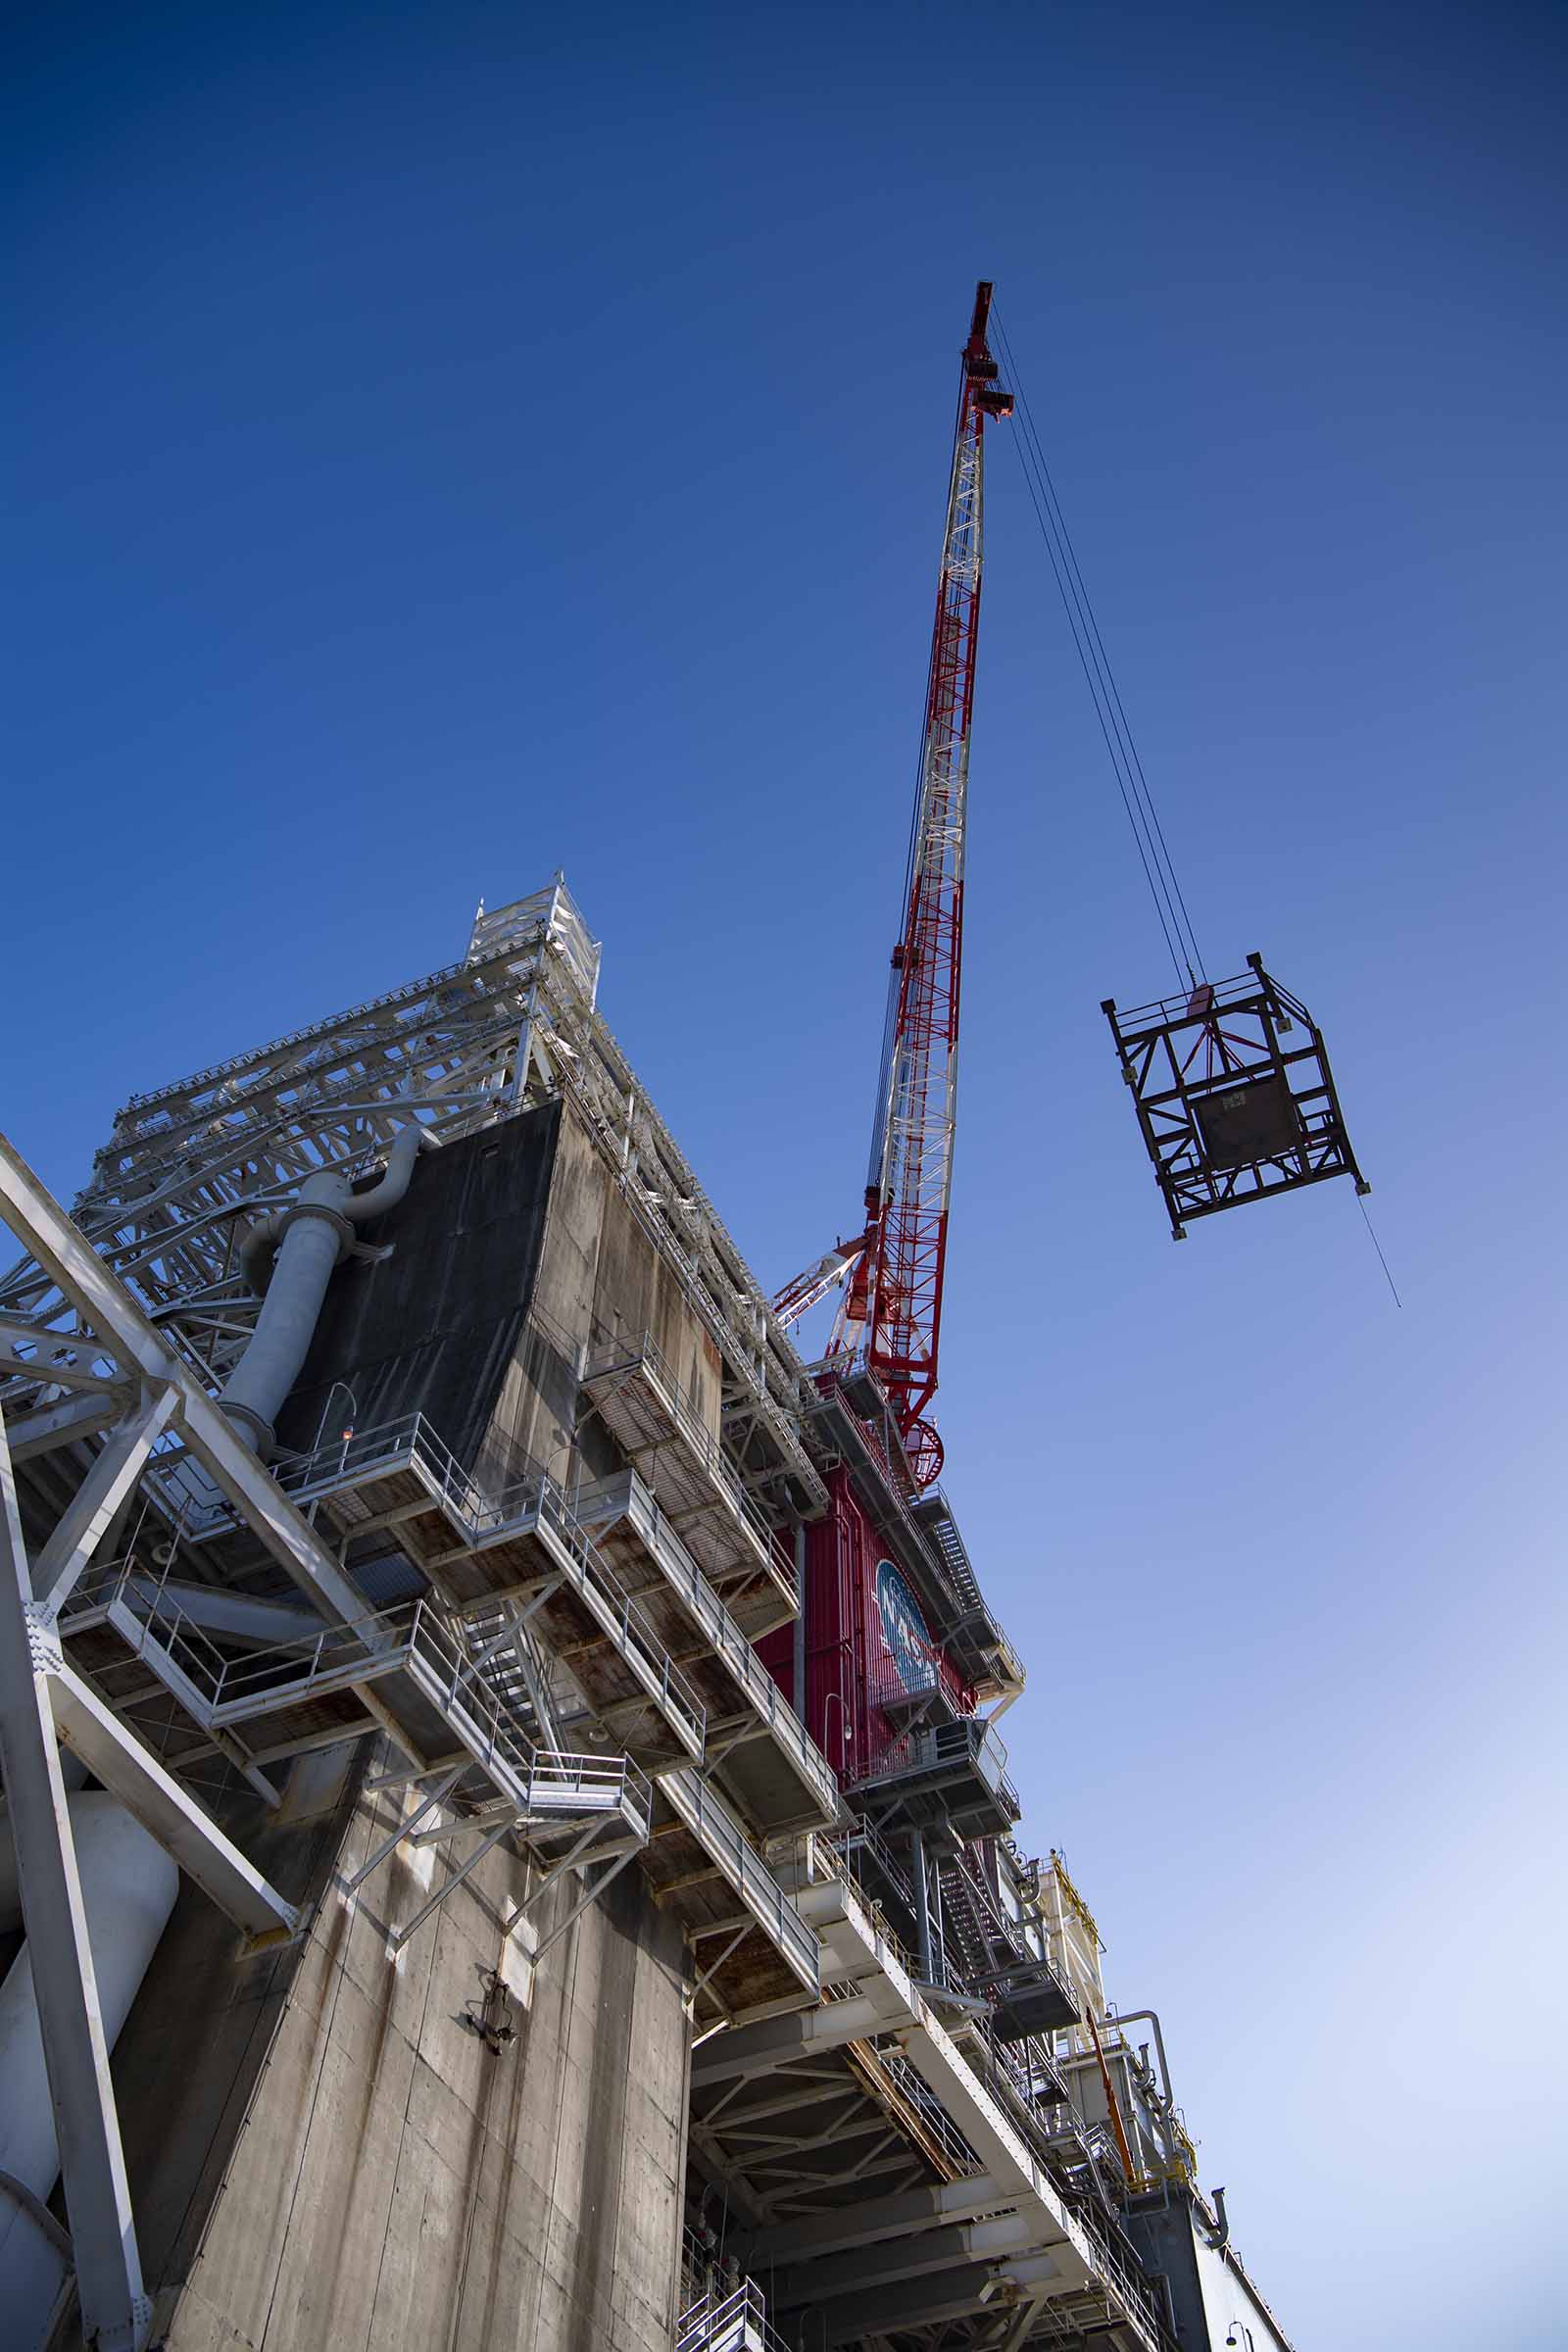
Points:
[116,2311]
[189,1166]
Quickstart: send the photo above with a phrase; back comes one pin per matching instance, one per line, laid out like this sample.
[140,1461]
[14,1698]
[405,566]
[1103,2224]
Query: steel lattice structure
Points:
[189,1167]
[895,1291]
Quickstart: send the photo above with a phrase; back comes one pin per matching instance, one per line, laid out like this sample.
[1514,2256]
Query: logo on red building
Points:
[904,1631]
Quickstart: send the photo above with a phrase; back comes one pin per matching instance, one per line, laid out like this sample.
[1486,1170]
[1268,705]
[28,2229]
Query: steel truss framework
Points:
[1229,1110]
[897,1288]
[886,2100]
[188,1167]
[882,2176]
[100,1364]
[121,1334]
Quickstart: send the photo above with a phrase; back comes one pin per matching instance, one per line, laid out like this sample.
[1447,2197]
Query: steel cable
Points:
[1132,783]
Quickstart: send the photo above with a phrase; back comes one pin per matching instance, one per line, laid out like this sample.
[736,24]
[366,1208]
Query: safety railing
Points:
[559,1783]
[721,1836]
[353,1457]
[728,2320]
[966,1741]
[541,1503]
[413,1636]
[867,1856]
[134,1600]
[1119,2264]
[625,1495]
[1214,997]
[997,2076]
[910,2085]
[408,1442]
[1011,1951]
[350,1458]
[625,1355]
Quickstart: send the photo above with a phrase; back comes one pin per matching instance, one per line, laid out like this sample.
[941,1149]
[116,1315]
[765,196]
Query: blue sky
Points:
[458,443]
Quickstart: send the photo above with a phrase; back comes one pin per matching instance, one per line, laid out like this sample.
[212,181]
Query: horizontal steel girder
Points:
[922,2302]
[239,1617]
[761,2049]
[58,1359]
[883,2218]
[49,1426]
[820,2280]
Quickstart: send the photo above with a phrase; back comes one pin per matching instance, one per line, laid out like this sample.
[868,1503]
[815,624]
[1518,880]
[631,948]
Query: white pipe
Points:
[128,1886]
[310,1237]
[1139,2017]
[409,1143]
[73,1772]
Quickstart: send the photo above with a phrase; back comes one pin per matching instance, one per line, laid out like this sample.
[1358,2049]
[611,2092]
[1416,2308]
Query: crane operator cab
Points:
[1233,1095]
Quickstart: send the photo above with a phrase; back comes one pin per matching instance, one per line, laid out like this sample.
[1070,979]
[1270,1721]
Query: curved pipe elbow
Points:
[258,1251]
[256,1255]
[409,1143]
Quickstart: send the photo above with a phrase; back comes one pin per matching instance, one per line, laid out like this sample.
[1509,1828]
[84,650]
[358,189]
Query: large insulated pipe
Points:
[289,1258]
[128,1886]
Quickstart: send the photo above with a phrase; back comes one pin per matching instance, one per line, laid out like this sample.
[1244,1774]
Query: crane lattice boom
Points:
[897,1290]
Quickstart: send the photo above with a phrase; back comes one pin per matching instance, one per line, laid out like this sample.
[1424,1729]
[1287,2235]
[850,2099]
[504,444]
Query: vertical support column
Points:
[523,1062]
[923,1904]
[115,2314]
[110,1481]
[798,1660]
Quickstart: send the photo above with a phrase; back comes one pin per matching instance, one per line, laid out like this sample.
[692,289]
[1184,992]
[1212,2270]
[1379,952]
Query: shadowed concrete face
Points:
[332,2156]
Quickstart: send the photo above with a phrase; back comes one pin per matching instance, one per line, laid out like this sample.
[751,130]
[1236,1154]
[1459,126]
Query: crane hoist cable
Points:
[1132,783]
[1136,798]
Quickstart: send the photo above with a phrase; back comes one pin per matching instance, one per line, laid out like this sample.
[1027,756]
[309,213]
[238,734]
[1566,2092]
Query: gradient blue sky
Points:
[458,442]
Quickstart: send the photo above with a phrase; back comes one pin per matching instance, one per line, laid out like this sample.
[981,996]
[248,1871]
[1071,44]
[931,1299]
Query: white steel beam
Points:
[49,1426]
[116,2314]
[89,1515]
[863,2225]
[759,2049]
[239,1617]
[48,1235]
[58,1359]
[822,2279]
[164,1808]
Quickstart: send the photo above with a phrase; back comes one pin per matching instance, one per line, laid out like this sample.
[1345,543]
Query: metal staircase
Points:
[994,1958]
[511,1663]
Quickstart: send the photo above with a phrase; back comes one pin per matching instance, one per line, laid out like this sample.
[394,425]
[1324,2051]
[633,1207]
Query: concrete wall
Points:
[324,2157]
[599,1278]
[522,1217]
[637,1292]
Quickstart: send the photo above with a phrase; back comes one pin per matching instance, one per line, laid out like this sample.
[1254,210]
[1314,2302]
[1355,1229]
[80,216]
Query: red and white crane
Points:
[895,1266]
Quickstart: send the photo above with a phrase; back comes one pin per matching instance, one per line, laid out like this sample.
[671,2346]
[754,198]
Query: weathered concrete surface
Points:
[326,2159]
